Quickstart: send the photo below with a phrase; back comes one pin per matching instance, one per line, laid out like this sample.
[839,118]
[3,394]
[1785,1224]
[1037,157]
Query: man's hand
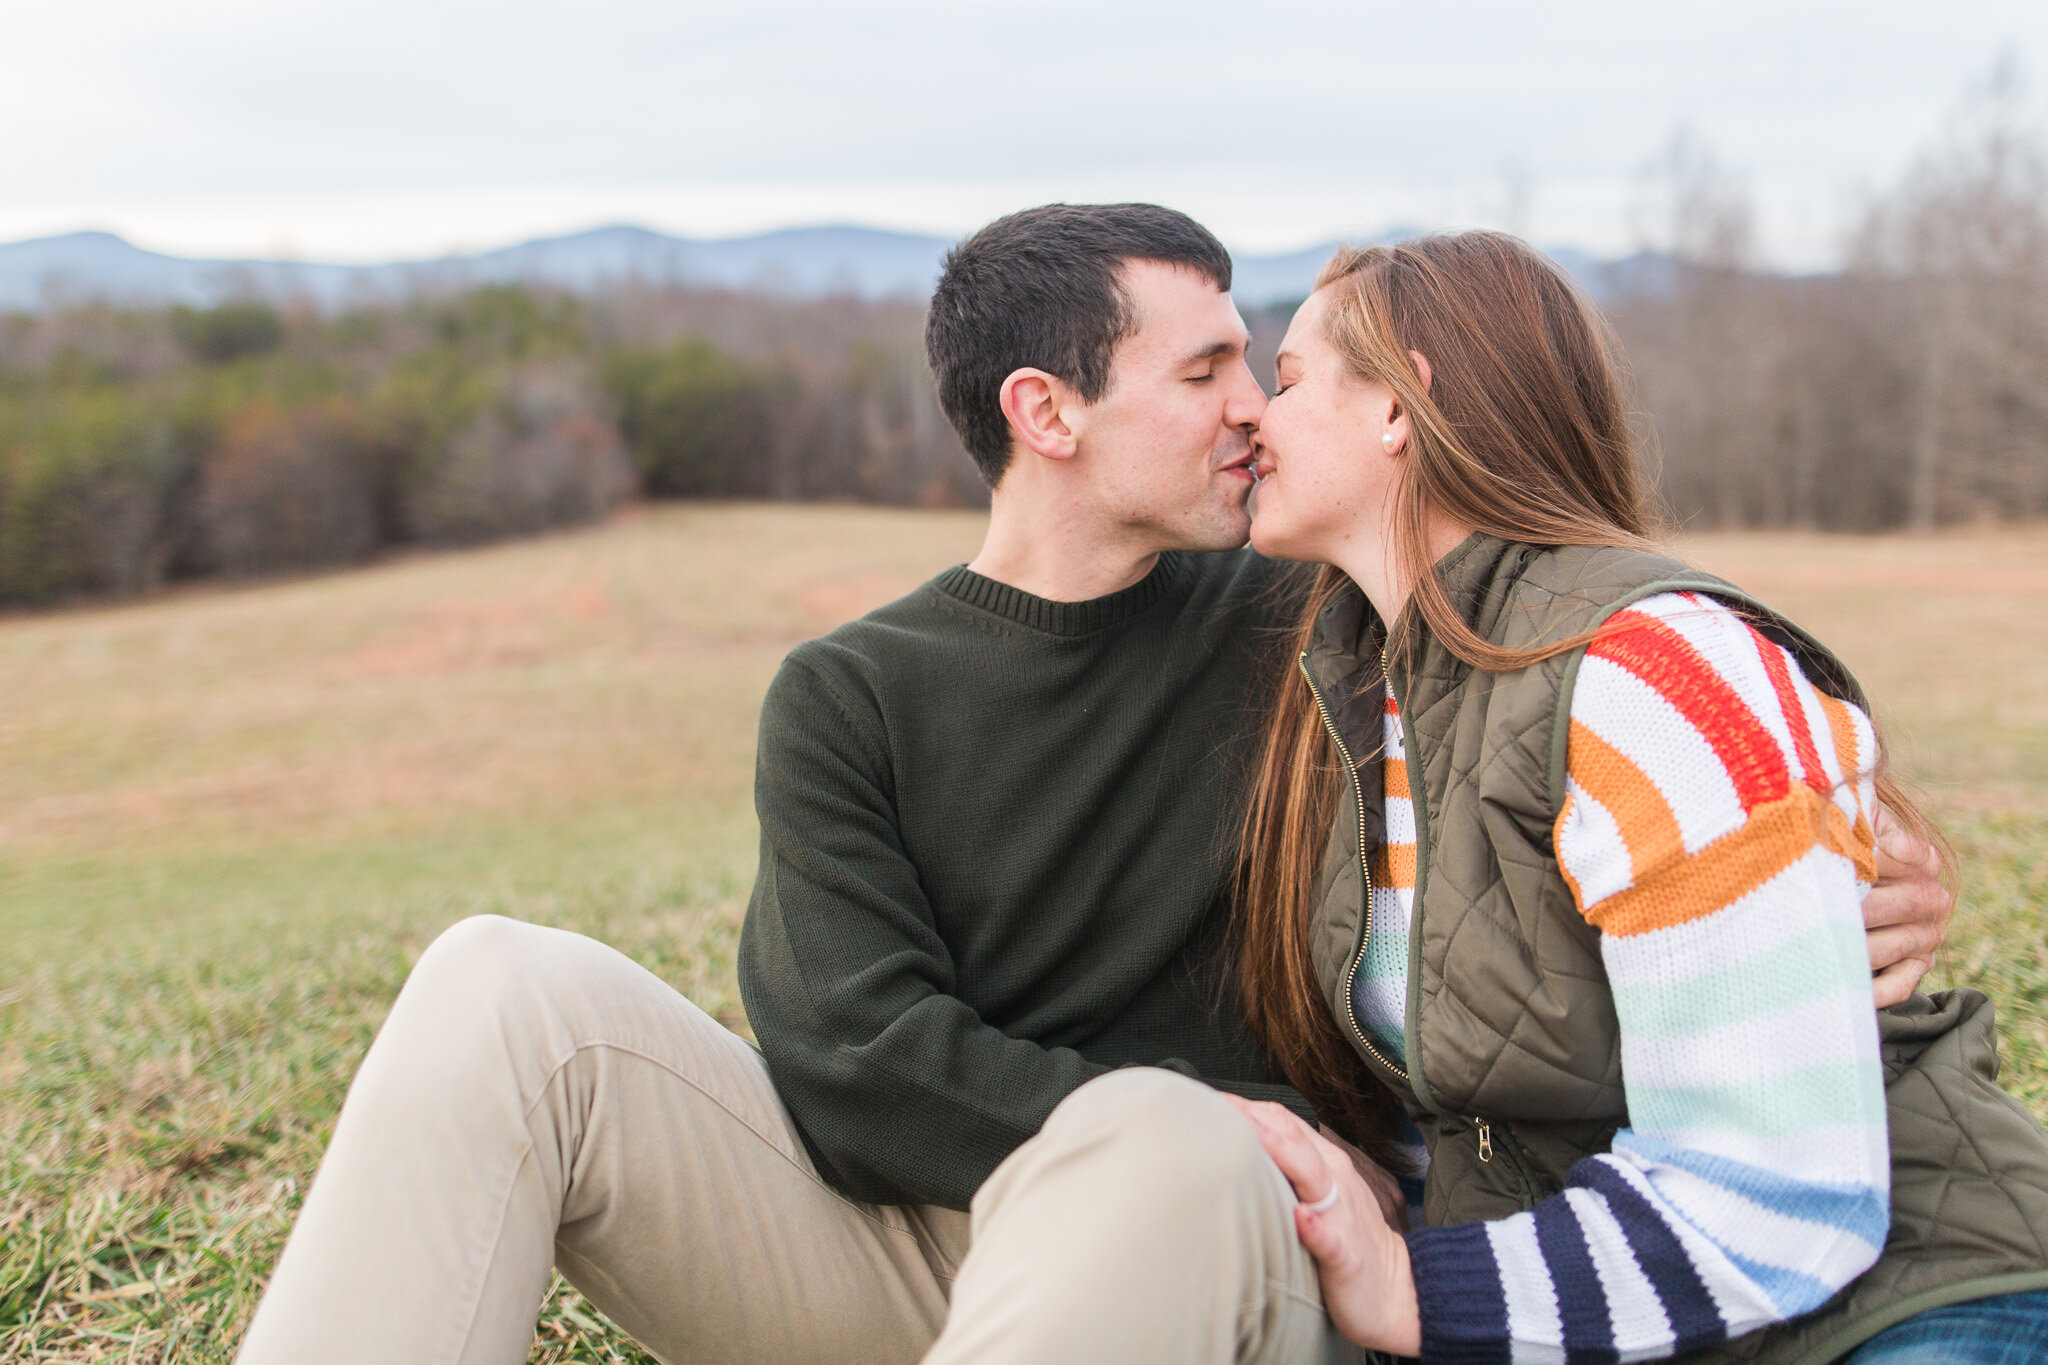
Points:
[1906,914]
[1361,1262]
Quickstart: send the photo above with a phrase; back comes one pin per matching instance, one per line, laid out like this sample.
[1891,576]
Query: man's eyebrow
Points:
[1216,348]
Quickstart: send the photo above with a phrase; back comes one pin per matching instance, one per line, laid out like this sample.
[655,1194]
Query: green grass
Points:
[229,821]
[170,1085]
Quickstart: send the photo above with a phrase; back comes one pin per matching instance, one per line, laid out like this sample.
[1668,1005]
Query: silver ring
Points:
[1326,1203]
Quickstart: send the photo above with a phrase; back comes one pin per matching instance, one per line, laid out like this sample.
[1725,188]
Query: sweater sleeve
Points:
[901,1092]
[1717,831]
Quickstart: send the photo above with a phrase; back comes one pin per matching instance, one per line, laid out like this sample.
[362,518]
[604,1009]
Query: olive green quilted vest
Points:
[1514,1054]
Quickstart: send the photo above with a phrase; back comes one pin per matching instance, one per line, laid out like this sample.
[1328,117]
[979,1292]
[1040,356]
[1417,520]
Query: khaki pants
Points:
[536,1099]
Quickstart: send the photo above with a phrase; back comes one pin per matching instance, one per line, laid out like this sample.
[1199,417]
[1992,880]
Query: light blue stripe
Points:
[1858,1210]
[1824,1095]
[1792,1292]
[1798,969]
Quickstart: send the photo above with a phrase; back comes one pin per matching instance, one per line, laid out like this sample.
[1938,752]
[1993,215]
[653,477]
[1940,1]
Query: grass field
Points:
[229,820]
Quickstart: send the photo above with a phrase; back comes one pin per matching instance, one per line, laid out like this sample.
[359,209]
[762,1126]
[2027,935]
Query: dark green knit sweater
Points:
[994,832]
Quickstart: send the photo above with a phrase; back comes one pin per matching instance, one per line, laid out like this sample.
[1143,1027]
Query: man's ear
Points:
[1039,408]
[1421,363]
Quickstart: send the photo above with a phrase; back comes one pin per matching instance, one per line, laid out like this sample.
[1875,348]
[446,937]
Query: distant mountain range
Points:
[798,262]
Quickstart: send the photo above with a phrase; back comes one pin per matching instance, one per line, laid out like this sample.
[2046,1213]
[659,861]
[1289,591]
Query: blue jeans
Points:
[2011,1329]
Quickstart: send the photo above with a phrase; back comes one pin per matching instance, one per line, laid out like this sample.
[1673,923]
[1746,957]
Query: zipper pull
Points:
[1485,1140]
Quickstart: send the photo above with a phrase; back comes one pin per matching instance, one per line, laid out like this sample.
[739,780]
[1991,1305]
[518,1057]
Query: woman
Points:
[1570,861]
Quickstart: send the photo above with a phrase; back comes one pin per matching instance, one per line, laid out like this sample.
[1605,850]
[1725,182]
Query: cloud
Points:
[376,126]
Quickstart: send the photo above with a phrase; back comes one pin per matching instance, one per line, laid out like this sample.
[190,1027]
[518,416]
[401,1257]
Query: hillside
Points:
[233,817]
[807,262]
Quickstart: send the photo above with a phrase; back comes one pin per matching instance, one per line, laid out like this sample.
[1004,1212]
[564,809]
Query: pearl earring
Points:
[1387,440]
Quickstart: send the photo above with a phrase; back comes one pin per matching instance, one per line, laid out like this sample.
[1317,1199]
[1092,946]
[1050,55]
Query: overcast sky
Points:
[379,128]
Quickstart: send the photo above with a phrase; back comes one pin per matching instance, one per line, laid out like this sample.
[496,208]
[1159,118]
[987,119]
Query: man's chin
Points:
[1223,524]
[1228,530]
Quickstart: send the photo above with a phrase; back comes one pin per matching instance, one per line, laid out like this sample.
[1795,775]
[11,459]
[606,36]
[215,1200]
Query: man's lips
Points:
[1241,467]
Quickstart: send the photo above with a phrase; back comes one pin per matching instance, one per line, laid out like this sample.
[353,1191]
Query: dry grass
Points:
[230,820]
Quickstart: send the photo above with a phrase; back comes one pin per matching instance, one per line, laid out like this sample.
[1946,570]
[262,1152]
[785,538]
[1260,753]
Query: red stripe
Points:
[1666,660]
[1393,707]
[1794,709]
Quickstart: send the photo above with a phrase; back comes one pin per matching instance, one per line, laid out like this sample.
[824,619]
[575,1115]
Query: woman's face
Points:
[1325,470]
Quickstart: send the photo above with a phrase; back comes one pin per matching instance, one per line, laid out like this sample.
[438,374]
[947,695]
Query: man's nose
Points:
[1247,402]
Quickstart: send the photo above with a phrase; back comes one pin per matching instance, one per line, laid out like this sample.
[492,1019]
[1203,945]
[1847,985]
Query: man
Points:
[985,935]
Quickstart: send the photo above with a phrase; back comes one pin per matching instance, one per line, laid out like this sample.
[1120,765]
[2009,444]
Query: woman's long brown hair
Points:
[1521,433]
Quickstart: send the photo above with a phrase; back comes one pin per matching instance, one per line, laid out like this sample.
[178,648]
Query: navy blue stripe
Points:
[1458,1290]
[1661,1255]
[1581,1302]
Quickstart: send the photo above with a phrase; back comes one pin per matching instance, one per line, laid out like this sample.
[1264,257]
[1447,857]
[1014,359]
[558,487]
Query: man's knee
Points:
[489,980]
[483,956]
[1166,1139]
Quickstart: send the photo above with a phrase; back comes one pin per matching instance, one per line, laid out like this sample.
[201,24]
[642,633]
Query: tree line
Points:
[141,446]
[1909,389]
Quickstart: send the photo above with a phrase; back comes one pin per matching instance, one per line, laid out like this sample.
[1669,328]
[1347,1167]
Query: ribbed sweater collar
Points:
[1063,618]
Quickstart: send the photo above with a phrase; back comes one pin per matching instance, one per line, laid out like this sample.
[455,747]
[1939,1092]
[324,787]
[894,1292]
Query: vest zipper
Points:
[1511,1149]
[1364,866]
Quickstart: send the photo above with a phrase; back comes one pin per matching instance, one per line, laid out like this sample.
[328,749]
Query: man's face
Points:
[1169,444]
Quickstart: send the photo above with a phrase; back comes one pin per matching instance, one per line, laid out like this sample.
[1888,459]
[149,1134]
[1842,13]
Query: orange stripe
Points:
[1610,777]
[1393,866]
[1776,835]
[1842,729]
[1394,774]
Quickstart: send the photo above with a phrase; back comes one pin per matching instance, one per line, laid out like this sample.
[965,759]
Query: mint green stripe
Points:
[1801,968]
[1826,1095]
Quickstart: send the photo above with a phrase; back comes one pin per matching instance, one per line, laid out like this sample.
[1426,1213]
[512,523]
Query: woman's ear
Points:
[1421,363]
[1037,405]
[1394,439]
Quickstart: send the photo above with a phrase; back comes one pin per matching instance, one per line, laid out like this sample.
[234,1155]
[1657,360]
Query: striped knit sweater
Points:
[1716,830]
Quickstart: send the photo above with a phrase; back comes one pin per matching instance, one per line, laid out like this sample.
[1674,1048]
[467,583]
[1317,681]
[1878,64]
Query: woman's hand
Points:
[1361,1261]
[1385,1188]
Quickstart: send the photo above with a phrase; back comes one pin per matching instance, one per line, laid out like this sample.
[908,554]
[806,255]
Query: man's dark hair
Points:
[1039,288]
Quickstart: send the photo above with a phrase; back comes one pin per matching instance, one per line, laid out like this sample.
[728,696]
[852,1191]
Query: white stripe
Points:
[1761,1048]
[1815,1155]
[1535,1325]
[1400,820]
[1653,734]
[1866,762]
[1382,1005]
[1591,847]
[1642,1329]
[1392,908]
